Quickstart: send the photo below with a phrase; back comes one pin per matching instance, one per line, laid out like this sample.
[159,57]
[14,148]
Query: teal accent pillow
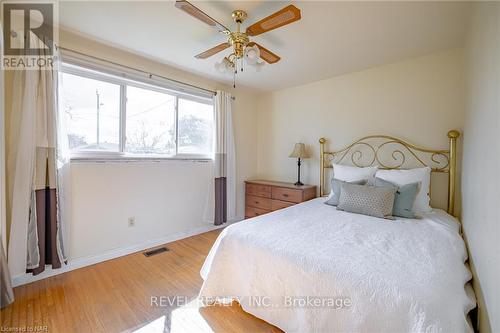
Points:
[404,198]
[336,186]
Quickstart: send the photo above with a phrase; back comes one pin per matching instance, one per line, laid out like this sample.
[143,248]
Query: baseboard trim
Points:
[112,254]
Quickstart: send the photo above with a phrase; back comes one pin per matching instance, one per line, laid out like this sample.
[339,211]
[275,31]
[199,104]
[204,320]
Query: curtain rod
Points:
[139,70]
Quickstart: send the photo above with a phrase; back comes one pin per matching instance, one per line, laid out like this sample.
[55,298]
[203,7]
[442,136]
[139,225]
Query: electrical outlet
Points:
[131,221]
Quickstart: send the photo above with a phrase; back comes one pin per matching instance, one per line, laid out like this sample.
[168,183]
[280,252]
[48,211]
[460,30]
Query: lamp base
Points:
[298,184]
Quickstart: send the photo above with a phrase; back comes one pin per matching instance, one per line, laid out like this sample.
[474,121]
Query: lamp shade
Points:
[299,151]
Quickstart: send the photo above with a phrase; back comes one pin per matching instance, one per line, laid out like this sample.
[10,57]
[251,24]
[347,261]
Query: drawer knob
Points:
[285,195]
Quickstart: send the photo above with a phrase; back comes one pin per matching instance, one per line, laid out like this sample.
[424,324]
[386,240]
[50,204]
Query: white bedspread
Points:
[391,276]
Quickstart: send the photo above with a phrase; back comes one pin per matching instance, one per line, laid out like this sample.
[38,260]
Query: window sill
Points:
[129,159]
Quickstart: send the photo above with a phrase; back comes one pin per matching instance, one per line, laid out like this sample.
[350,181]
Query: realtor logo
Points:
[29,35]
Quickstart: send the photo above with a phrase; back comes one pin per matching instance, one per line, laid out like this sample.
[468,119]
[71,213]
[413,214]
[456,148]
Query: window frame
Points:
[77,69]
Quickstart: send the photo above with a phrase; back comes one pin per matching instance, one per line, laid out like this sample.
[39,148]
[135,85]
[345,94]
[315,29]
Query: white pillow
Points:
[403,177]
[348,173]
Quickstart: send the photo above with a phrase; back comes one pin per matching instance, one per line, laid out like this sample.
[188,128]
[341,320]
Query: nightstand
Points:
[263,196]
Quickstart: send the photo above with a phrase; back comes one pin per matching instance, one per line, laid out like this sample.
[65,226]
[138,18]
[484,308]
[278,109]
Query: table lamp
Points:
[299,151]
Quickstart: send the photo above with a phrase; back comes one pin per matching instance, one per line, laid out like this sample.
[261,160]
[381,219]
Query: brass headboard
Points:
[442,161]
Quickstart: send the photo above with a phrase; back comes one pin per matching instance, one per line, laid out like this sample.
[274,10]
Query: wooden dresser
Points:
[262,196]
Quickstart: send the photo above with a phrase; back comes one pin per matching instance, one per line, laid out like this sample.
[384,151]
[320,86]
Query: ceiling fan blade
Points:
[265,54]
[282,17]
[212,51]
[200,15]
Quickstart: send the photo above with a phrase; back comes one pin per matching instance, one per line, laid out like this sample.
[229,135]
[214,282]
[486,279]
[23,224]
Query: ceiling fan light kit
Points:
[240,42]
[252,55]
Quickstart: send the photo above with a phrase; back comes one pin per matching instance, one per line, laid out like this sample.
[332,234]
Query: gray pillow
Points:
[367,200]
[403,199]
[336,186]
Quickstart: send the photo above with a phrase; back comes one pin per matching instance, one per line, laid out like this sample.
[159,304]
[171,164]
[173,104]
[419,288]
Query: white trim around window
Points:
[85,68]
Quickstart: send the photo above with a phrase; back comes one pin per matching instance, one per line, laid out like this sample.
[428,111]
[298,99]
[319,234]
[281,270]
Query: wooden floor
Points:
[115,296]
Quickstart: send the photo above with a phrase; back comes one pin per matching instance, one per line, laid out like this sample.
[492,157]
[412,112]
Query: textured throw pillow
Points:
[403,199]
[336,186]
[367,200]
[403,177]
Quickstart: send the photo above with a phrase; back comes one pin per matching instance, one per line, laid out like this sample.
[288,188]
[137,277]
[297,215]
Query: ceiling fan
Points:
[243,48]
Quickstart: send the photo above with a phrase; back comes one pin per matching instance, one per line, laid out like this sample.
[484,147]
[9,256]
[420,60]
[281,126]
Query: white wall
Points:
[481,162]
[164,197]
[418,99]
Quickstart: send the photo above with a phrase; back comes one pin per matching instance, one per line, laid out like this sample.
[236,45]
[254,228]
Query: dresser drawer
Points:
[258,190]
[252,212]
[258,202]
[287,194]
[278,204]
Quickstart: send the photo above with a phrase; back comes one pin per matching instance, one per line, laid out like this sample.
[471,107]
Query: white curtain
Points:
[20,165]
[35,152]
[63,174]
[6,292]
[225,160]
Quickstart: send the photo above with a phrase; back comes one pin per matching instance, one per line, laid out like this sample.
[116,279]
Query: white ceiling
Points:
[332,38]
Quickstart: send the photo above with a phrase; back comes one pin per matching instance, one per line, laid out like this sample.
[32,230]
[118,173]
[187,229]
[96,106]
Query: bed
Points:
[313,268]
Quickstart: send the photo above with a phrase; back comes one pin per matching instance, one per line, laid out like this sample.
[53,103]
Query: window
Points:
[195,124]
[108,115]
[92,111]
[150,122]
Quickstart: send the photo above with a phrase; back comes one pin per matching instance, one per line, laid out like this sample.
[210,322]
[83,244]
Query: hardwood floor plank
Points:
[115,296]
